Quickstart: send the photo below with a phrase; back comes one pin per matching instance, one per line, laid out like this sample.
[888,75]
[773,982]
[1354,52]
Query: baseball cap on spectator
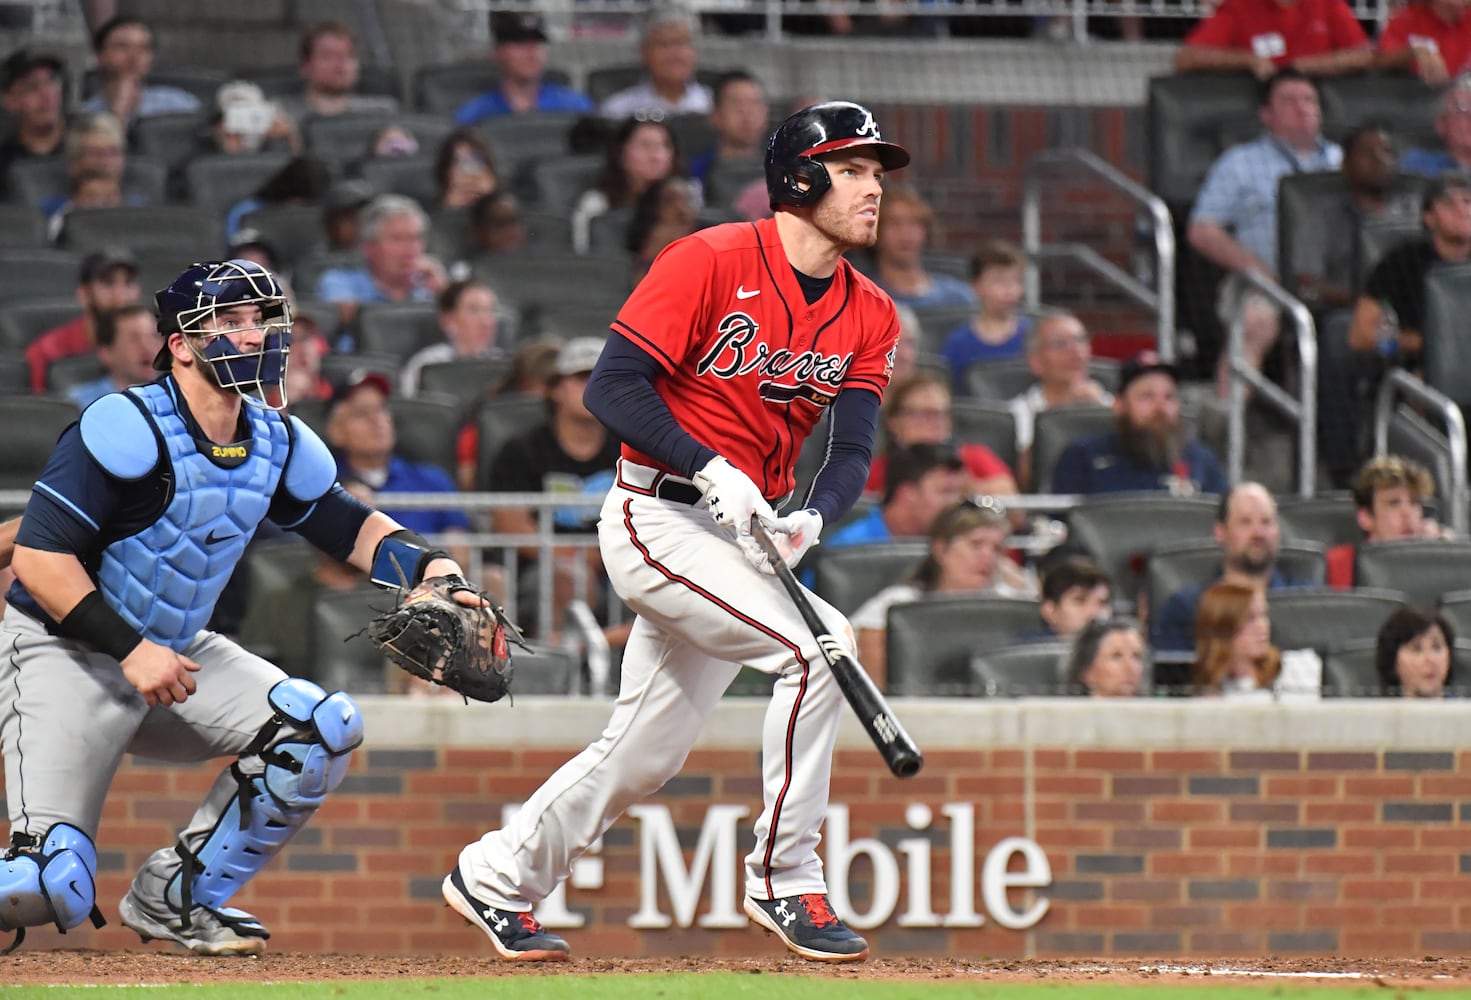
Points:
[1443,185]
[347,194]
[513,26]
[100,263]
[361,379]
[1141,364]
[19,64]
[579,356]
[248,239]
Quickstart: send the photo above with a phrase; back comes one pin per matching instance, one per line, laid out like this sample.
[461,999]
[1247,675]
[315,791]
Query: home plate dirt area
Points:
[115,967]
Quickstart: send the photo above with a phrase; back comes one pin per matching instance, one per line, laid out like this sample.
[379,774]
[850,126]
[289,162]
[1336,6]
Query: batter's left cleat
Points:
[516,934]
[808,926]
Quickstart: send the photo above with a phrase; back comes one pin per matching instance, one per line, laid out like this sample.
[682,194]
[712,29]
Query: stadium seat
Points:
[285,79]
[32,425]
[1120,531]
[1003,380]
[566,320]
[63,373]
[847,575]
[293,231]
[172,139]
[607,81]
[1455,607]
[1350,670]
[556,182]
[1378,236]
[1302,200]
[309,270]
[548,233]
[22,226]
[936,323]
[1055,429]
[426,426]
[608,233]
[342,656]
[1447,341]
[728,178]
[1176,565]
[1320,619]
[22,320]
[187,232]
[339,140]
[313,413]
[467,380]
[1424,569]
[1400,102]
[277,626]
[1025,670]
[1191,115]
[498,420]
[1412,436]
[204,83]
[1328,518]
[411,176]
[35,274]
[216,181]
[693,134]
[990,424]
[15,375]
[517,141]
[534,280]
[930,643]
[338,368]
[544,670]
[398,328]
[31,182]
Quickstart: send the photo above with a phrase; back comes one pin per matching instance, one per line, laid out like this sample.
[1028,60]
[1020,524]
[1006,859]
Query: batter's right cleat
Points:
[516,935]
[226,931]
[808,926]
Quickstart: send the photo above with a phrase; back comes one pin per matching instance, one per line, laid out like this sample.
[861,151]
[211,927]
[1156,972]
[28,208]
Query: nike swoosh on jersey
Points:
[741,292]
[210,538]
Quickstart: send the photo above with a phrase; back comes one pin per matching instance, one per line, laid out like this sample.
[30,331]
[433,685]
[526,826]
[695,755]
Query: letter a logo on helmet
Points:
[794,173]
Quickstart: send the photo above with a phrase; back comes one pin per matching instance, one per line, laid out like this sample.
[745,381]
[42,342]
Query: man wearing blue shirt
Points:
[520,55]
[1453,125]
[1147,449]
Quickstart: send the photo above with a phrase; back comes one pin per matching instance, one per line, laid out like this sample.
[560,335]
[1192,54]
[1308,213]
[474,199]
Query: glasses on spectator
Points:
[1064,342]
[985,502]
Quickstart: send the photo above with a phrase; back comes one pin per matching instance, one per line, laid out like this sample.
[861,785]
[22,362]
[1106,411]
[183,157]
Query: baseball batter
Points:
[739,339]
[135,524]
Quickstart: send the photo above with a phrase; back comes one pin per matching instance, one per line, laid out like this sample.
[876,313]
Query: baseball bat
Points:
[895,745]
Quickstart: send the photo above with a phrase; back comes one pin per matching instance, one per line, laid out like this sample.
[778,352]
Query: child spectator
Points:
[997,330]
[1074,592]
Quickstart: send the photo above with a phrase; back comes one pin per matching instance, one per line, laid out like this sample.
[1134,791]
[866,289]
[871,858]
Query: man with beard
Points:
[1147,449]
[1250,538]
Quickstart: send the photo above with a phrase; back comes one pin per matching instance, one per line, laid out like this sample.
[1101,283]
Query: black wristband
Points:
[100,627]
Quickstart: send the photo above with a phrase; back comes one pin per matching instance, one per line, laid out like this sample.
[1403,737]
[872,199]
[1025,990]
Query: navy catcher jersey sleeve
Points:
[331,523]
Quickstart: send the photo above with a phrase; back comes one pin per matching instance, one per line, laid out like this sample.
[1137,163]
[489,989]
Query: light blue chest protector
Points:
[165,579]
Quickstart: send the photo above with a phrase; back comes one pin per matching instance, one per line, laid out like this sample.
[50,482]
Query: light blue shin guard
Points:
[301,768]
[54,884]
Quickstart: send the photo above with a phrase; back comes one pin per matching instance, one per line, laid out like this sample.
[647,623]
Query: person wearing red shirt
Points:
[1316,37]
[1389,496]
[108,280]
[1431,37]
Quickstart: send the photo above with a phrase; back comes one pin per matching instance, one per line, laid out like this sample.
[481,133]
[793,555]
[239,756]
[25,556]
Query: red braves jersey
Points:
[1282,34]
[749,366]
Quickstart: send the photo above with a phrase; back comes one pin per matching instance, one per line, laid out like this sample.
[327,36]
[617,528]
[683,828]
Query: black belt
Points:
[685,493]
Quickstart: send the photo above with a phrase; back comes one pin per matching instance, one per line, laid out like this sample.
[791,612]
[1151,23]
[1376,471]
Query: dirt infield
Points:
[119,967]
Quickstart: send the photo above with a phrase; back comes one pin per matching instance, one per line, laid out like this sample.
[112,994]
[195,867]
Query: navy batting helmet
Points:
[794,175]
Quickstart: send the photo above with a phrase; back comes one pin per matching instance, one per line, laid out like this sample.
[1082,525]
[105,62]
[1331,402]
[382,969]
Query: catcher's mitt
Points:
[436,638]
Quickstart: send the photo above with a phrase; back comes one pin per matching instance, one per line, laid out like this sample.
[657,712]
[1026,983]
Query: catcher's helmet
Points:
[205,289]
[794,175]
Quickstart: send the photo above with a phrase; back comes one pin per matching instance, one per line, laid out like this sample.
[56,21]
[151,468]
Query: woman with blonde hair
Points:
[1234,654]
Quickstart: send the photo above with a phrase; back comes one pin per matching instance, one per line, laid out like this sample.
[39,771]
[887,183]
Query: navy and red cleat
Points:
[516,935]
[808,926]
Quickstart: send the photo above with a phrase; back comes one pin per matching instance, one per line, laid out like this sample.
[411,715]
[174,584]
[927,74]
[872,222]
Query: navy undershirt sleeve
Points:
[331,524]
[620,392]
[839,482]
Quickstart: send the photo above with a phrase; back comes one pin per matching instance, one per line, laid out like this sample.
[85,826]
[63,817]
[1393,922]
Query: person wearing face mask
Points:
[1415,654]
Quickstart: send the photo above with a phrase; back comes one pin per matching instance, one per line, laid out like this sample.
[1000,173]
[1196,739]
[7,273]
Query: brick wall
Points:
[1304,830]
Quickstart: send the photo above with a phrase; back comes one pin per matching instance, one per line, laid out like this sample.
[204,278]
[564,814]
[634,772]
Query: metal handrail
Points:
[1160,298]
[1303,409]
[1399,382]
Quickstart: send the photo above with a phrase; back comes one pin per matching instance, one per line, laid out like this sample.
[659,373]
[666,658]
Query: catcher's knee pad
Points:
[49,883]
[301,767]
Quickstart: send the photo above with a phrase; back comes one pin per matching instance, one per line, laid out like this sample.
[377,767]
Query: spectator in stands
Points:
[464,169]
[107,281]
[668,210]
[32,84]
[1234,654]
[920,481]
[127,343]
[1415,654]
[571,453]
[1389,317]
[1148,449]
[520,56]
[1107,659]
[497,225]
[392,140]
[1075,592]
[1313,37]
[245,122]
[739,120]
[1389,496]
[917,411]
[533,371]
[89,189]
[1453,125]
[1058,353]
[906,352]
[904,230]
[467,317]
[95,149]
[967,557]
[397,268]
[640,153]
[669,86]
[124,48]
[304,378]
[1234,222]
[1250,537]
[301,180]
[998,330]
[327,59]
[1430,37]
[361,432]
[342,208]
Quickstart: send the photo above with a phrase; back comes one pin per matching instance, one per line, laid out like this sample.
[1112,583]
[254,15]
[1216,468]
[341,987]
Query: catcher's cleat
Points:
[517,936]
[225,931]
[808,926]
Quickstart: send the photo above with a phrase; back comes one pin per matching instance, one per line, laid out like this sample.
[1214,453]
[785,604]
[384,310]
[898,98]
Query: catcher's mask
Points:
[195,304]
